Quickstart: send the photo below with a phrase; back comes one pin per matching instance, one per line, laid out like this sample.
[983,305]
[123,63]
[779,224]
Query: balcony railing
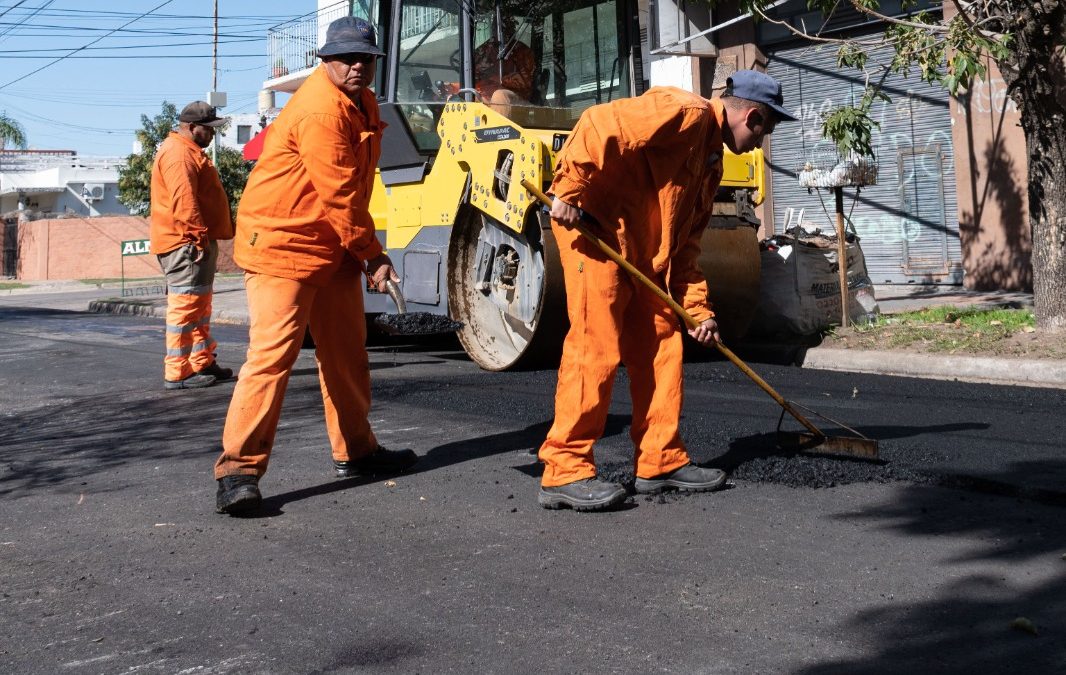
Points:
[29,161]
[292,45]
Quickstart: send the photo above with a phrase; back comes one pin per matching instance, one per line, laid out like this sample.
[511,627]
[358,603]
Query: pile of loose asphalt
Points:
[733,447]
[416,323]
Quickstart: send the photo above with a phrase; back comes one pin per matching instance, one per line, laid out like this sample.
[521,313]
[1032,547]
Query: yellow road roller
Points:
[478,96]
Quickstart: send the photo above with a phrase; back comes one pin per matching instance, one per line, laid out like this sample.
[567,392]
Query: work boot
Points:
[689,478]
[221,374]
[589,494]
[381,460]
[194,381]
[238,494]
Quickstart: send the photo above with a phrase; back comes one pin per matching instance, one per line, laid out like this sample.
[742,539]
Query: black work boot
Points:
[238,494]
[194,381]
[689,478]
[589,494]
[221,374]
[381,460]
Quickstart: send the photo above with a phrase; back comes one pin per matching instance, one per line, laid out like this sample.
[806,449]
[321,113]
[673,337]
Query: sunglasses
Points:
[352,59]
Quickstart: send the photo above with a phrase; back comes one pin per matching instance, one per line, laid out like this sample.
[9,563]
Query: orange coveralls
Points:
[646,169]
[303,232]
[518,69]
[189,209]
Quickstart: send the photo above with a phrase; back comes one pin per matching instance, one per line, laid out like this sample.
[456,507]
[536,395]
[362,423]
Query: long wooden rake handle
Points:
[685,316]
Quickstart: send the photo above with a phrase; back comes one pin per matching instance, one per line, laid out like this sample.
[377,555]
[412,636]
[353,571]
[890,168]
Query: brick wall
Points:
[90,248]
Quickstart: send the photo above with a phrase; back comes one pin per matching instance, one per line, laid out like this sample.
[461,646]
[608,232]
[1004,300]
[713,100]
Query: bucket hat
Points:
[350,35]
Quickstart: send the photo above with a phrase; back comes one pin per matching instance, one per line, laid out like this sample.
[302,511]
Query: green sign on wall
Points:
[135,247]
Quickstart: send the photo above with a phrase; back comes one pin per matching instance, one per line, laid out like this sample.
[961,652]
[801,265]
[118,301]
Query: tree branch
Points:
[813,38]
[931,27]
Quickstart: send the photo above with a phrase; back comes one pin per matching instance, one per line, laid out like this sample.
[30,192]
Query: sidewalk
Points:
[894,299]
[230,306]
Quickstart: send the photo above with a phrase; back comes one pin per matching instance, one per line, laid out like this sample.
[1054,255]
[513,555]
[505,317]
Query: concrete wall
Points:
[90,248]
[991,165]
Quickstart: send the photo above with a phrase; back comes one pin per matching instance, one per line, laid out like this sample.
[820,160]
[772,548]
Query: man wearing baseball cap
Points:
[305,237]
[643,172]
[189,214]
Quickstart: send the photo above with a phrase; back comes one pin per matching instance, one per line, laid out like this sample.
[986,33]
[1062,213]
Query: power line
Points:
[52,63]
[27,18]
[12,7]
[153,46]
[124,56]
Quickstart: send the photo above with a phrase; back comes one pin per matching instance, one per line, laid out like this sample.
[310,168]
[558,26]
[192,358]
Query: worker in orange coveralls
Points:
[190,213]
[305,237]
[645,170]
[504,68]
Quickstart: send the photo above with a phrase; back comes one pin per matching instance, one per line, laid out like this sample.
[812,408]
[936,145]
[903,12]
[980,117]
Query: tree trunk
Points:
[1037,79]
[1047,214]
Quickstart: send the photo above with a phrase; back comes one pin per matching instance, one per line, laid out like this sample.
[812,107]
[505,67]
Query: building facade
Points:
[49,183]
[948,206]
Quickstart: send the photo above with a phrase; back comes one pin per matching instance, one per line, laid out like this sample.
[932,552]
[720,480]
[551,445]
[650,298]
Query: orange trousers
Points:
[280,310]
[190,347]
[613,320]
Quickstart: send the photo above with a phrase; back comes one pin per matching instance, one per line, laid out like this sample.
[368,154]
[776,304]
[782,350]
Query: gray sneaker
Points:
[590,494]
[194,381]
[689,478]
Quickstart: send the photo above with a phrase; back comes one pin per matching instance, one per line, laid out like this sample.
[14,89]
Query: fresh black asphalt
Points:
[113,560]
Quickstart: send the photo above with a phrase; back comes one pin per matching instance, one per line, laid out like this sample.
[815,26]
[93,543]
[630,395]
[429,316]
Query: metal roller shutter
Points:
[908,222]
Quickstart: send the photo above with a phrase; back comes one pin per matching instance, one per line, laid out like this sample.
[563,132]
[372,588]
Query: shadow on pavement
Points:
[974,625]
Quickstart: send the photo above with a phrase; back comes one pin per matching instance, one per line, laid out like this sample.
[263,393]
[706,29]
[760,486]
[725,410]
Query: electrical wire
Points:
[52,63]
[12,7]
[24,20]
[33,25]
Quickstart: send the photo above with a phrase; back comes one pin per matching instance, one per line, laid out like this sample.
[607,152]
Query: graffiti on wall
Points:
[925,168]
[987,97]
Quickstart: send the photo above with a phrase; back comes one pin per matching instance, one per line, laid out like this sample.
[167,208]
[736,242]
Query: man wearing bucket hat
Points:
[189,214]
[305,237]
[644,172]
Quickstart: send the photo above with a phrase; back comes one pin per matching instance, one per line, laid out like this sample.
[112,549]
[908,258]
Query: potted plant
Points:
[279,68]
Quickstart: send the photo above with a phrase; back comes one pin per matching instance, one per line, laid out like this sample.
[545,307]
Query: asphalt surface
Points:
[113,560]
[230,306]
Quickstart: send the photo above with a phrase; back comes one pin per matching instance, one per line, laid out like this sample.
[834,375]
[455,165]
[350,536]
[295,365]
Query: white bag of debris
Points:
[800,291]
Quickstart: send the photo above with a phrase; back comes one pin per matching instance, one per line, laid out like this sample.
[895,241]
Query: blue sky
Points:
[115,65]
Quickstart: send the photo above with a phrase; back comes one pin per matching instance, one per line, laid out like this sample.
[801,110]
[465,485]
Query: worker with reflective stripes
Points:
[305,237]
[643,172]
[190,213]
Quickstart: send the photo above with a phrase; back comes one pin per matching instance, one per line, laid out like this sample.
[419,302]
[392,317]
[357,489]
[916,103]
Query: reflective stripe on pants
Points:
[189,346]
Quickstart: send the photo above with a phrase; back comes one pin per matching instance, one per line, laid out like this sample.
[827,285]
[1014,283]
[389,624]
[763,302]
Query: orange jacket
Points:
[306,203]
[518,68]
[189,205]
[647,169]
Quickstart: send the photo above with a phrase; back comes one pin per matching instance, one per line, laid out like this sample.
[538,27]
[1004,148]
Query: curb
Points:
[158,310]
[1021,372]
[1007,371]
[124,307]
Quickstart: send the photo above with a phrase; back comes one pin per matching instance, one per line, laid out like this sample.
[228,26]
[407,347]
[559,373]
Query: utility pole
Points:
[214,82]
